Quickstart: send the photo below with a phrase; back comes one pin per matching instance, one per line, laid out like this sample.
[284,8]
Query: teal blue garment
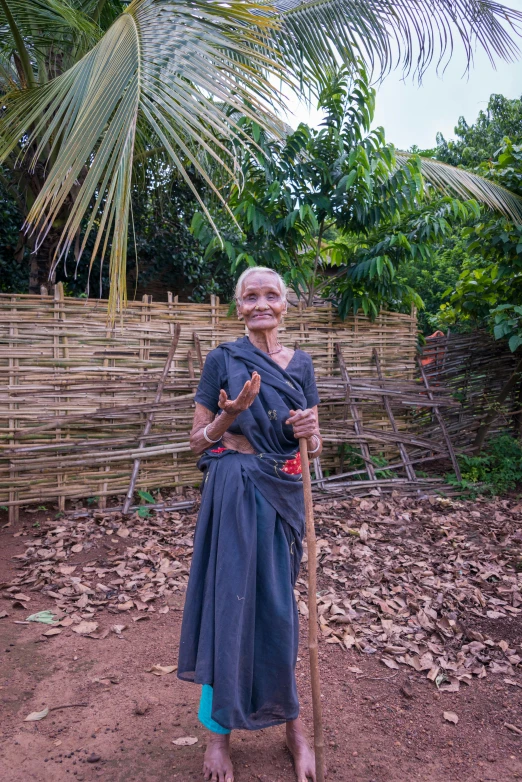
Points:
[205,711]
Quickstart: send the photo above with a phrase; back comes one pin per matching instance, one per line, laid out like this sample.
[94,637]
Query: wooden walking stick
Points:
[312,612]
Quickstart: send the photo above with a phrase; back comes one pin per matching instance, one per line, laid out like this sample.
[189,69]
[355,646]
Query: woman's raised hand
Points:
[244,399]
[304,423]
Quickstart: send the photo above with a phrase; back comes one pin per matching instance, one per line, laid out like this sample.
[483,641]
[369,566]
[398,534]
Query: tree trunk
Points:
[40,262]
[485,426]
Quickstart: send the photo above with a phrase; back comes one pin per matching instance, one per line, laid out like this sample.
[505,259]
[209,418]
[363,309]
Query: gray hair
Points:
[251,270]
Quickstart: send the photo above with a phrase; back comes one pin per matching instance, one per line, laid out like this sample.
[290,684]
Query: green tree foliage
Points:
[168,254]
[479,142]
[478,268]
[333,209]
[13,273]
[489,290]
[432,275]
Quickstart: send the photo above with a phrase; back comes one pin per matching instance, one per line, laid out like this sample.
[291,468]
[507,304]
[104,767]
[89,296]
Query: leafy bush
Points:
[497,470]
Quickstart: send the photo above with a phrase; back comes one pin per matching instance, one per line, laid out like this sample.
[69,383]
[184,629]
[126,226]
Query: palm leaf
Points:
[410,33]
[464,184]
[161,63]
[49,28]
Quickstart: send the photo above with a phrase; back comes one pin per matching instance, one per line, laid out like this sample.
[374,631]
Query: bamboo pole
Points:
[440,419]
[410,472]
[312,613]
[150,417]
[12,423]
[354,410]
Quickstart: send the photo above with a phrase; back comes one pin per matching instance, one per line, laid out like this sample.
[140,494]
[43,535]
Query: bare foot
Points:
[217,766]
[303,755]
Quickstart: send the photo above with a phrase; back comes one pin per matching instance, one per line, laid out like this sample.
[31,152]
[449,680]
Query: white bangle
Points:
[207,438]
[318,441]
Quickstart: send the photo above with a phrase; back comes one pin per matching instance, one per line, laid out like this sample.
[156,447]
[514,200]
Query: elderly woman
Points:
[239,637]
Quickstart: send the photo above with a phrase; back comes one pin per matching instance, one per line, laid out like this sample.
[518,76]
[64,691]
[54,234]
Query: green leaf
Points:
[145,496]
[514,342]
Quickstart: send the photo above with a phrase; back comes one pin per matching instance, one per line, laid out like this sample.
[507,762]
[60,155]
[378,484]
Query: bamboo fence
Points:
[76,394]
[473,368]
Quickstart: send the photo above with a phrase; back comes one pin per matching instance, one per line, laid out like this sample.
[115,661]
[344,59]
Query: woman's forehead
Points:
[258,281]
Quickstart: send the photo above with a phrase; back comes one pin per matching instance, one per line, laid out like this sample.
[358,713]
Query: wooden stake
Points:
[410,472]
[150,417]
[440,419]
[312,613]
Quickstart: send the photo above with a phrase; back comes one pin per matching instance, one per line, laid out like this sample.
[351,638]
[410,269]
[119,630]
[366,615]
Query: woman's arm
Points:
[305,424]
[203,418]
[216,426]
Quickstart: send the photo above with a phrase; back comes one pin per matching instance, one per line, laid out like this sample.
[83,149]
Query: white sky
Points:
[412,115]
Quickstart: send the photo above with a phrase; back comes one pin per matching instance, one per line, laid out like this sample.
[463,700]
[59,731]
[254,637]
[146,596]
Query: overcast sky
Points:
[412,115]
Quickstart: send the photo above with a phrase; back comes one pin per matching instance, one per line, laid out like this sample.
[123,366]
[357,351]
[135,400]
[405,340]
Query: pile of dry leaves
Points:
[97,560]
[428,583]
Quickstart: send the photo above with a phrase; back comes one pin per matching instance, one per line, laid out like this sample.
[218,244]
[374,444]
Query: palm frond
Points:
[408,33]
[464,184]
[162,63]
[47,23]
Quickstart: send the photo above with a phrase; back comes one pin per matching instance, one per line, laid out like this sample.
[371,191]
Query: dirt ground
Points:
[113,720]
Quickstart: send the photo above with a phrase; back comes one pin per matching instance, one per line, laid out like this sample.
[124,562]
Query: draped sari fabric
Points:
[240,623]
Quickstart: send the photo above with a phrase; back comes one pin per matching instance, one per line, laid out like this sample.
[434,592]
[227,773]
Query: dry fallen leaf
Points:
[37,715]
[99,636]
[84,628]
[161,670]
[390,662]
[3,614]
[52,631]
[185,741]
[451,684]
[450,716]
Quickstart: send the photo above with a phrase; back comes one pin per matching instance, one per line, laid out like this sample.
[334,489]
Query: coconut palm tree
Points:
[91,87]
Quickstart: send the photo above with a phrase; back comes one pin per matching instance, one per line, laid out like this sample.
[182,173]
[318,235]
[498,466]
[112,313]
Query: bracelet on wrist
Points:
[207,438]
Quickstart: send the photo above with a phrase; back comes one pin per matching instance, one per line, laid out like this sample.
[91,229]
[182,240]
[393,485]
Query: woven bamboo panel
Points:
[75,393]
[474,368]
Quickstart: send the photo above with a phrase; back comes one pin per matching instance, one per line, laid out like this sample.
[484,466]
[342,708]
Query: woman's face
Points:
[262,305]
